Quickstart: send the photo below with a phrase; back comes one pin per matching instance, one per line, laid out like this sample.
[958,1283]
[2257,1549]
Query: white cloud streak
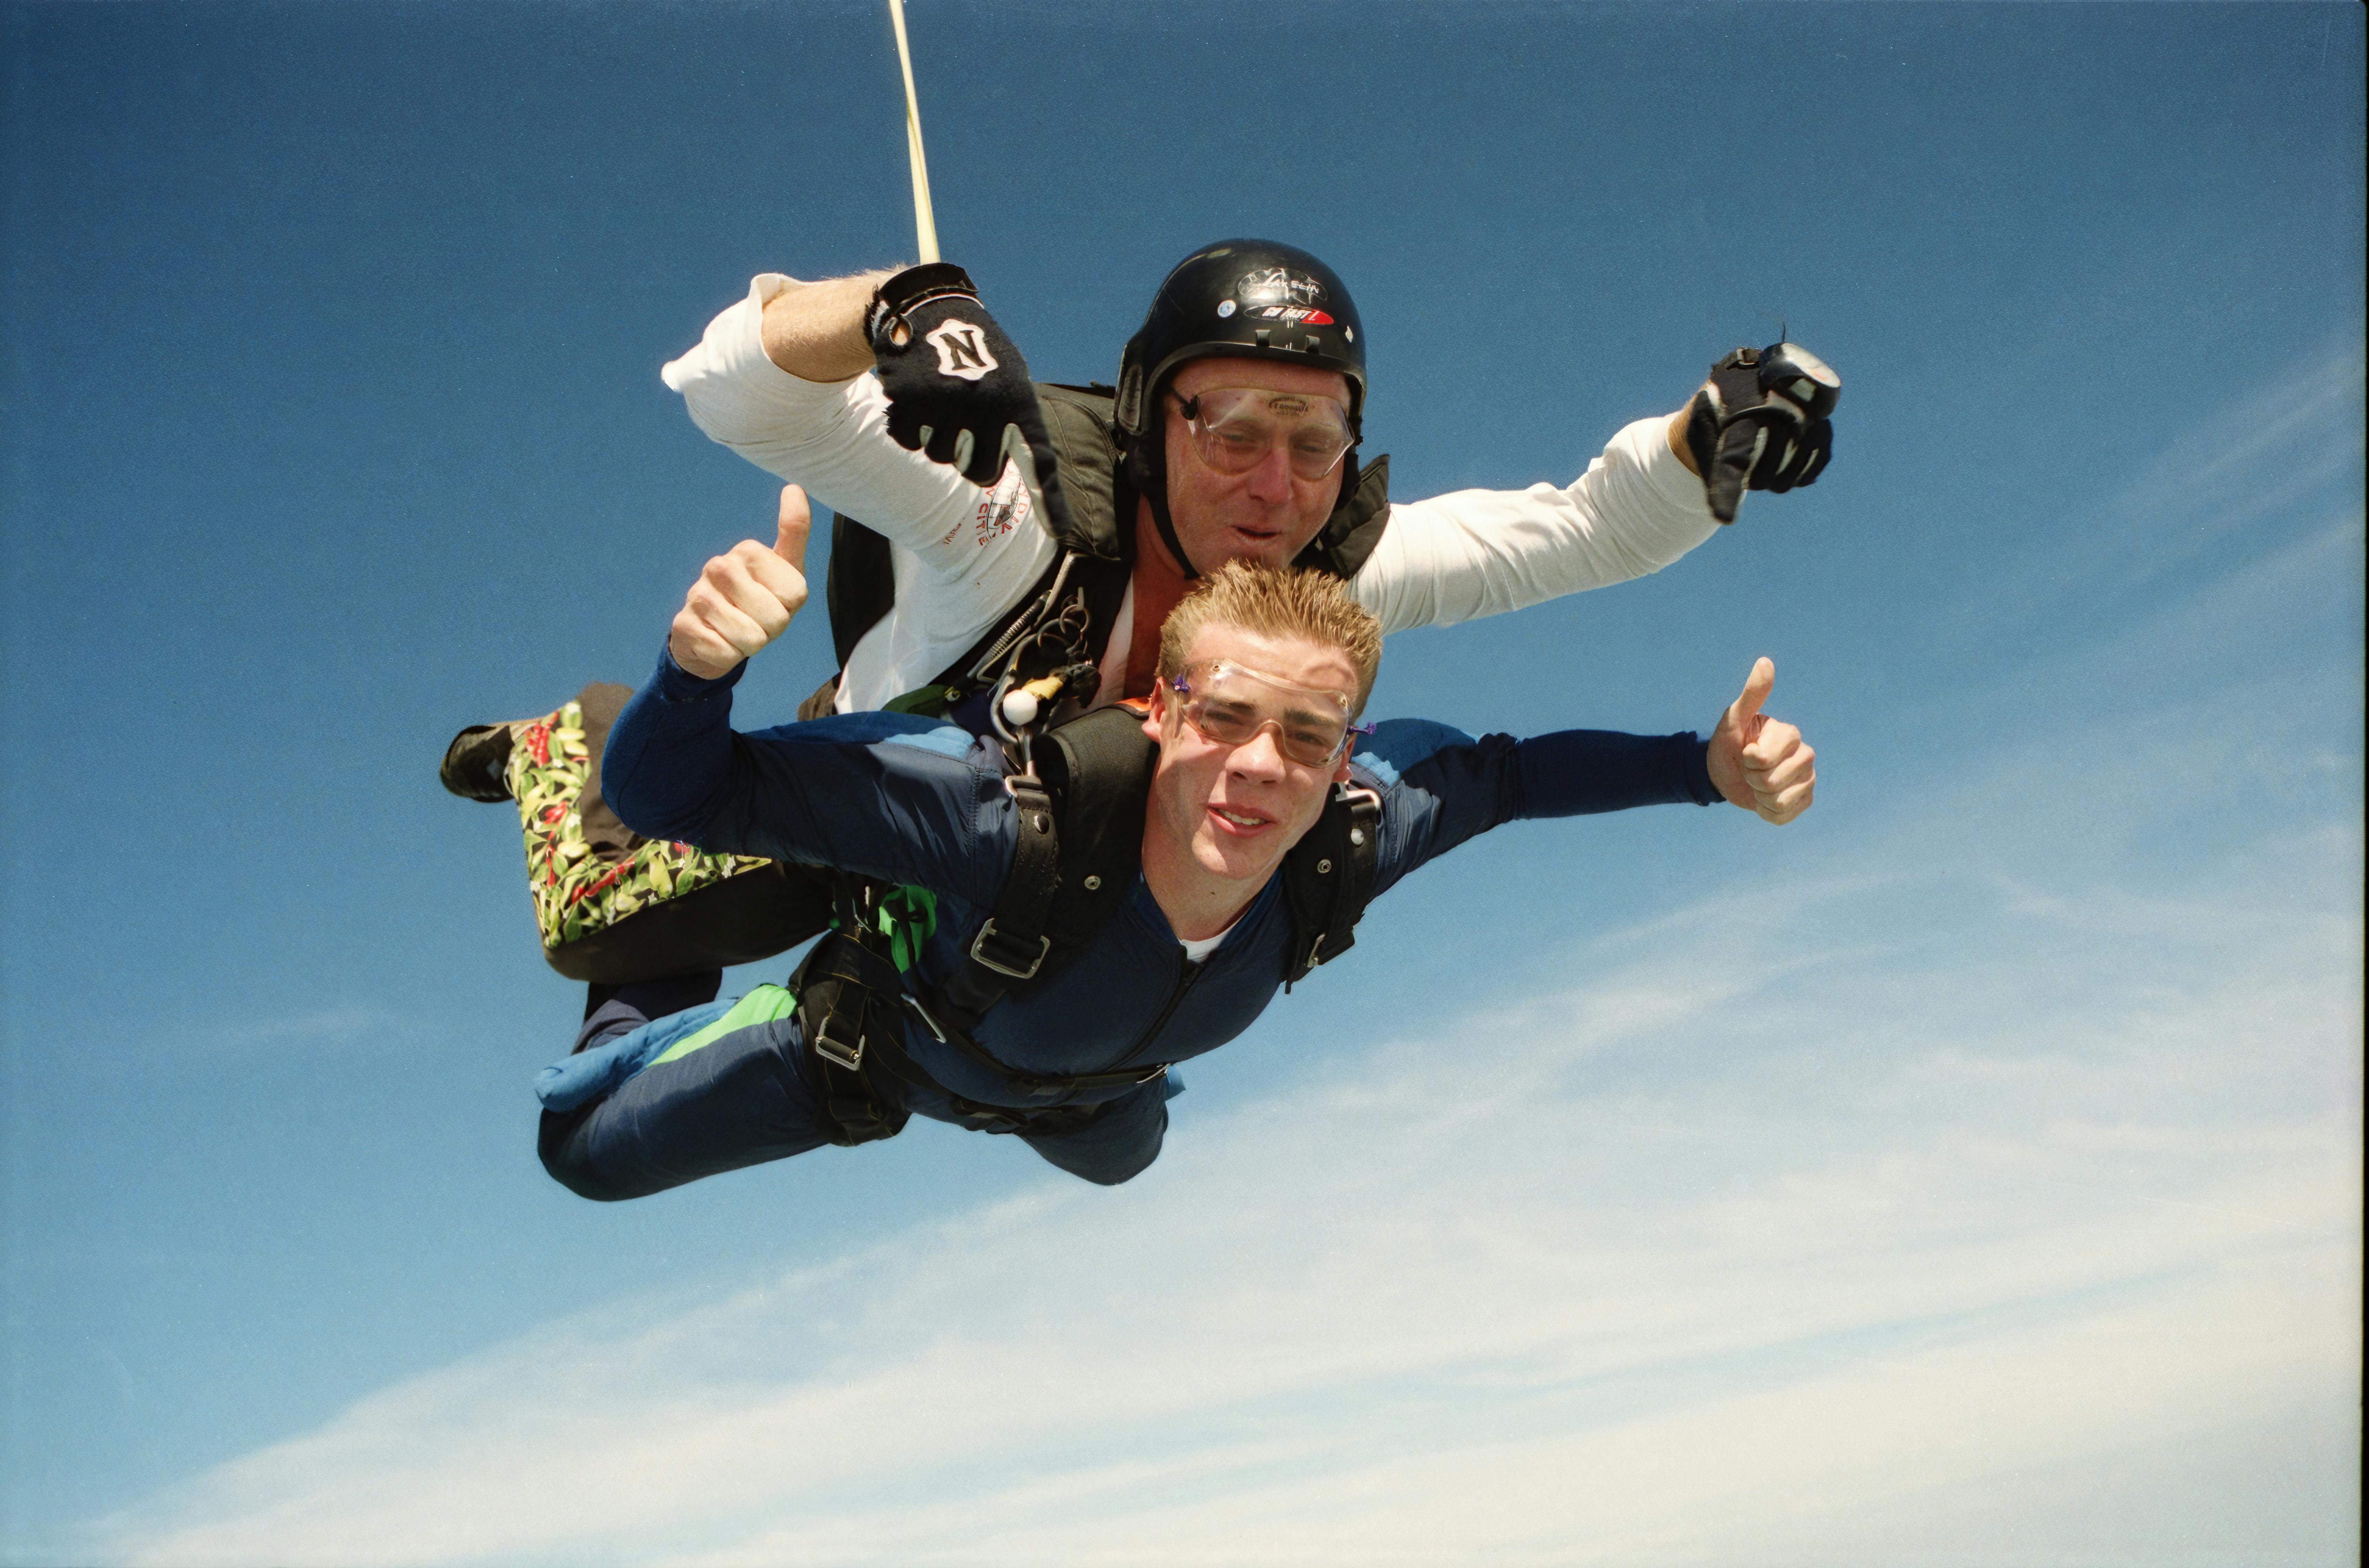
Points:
[1656,1270]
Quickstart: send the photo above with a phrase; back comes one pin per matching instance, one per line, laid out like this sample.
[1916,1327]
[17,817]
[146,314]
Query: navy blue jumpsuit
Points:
[668,1086]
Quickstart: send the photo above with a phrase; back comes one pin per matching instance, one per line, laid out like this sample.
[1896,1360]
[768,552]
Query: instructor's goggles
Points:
[1235,427]
[1229,705]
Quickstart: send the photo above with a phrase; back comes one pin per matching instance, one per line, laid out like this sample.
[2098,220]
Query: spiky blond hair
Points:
[1276,601]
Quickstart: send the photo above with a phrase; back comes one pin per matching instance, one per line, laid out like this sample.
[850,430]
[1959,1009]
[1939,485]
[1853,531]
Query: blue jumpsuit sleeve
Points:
[892,796]
[1441,787]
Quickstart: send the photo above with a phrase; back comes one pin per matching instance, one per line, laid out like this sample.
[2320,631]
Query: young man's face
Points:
[1234,809]
[1268,514]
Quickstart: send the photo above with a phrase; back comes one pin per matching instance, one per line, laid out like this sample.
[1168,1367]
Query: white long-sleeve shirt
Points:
[962,556]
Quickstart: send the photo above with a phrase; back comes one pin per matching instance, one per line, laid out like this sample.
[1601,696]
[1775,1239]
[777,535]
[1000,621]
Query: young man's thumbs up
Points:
[1758,763]
[744,598]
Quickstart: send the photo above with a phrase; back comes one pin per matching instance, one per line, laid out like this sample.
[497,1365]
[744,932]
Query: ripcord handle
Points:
[925,227]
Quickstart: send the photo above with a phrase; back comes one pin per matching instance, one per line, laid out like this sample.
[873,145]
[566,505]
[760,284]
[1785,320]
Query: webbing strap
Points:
[855,968]
[1011,946]
[1356,889]
[1328,879]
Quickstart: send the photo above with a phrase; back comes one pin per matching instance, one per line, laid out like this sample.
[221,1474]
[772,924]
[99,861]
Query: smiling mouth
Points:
[1239,821]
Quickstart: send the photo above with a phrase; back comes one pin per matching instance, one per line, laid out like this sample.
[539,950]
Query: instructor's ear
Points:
[1155,718]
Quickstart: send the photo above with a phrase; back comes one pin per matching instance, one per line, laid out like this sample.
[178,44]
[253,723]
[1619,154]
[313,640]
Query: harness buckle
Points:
[840,1052]
[978,951]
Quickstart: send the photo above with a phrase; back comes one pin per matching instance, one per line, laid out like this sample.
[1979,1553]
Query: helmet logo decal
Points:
[962,350]
[1278,286]
[1301,314]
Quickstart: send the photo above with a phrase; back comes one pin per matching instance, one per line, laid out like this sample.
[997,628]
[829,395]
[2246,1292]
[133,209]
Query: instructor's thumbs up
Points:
[746,597]
[1758,763]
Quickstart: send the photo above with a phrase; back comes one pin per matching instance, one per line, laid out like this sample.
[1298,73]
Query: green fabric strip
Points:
[929,702]
[763,1005]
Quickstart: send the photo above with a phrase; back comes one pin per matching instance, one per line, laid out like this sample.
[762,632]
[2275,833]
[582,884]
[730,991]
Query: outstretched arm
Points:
[1442,787]
[1639,506]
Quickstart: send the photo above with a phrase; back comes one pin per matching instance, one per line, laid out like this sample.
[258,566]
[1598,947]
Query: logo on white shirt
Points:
[962,350]
[1005,508]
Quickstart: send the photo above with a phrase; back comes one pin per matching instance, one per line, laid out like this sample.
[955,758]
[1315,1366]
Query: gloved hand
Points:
[1761,423]
[958,389]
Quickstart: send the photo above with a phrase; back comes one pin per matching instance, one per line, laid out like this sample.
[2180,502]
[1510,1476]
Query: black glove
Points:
[958,390]
[1762,424]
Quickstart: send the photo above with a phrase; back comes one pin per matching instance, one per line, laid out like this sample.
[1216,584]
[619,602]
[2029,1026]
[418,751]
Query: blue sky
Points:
[1969,1173]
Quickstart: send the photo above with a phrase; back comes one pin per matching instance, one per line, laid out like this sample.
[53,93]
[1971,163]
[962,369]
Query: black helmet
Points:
[1249,299]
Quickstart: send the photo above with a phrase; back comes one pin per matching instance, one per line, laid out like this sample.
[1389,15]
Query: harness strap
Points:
[1328,879]
[854,966]
[1364,836]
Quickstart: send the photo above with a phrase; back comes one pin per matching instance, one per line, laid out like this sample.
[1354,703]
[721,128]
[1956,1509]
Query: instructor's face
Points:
[1234,809]
[1268,514]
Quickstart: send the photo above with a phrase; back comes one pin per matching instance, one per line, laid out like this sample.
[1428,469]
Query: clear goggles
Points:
[1235,427]
[1229,705]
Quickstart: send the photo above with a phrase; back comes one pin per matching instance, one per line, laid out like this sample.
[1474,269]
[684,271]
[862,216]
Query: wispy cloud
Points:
[2253,457]
[1651,1270]
[337,1025]
[2268,462]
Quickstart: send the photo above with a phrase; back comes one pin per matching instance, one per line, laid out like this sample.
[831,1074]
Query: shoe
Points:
[476,764]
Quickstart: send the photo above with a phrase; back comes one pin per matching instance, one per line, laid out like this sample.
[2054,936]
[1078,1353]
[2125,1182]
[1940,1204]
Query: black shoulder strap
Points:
[1079,845]
[859,586]
[1328,878]
[1079,420]
[1355,526]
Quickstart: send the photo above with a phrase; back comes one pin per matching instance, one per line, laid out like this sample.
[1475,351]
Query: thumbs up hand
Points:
[744,598]
[1758,763]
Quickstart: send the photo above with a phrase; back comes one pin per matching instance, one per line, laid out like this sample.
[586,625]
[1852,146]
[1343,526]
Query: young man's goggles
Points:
[1234,428]
[1229,705]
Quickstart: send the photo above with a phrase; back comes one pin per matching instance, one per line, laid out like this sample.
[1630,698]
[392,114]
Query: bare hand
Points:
[745,598]
[1758,763]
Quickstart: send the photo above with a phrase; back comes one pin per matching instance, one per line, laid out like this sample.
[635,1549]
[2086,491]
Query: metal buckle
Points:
[1159,1072]
[830,1050]
[1044,946]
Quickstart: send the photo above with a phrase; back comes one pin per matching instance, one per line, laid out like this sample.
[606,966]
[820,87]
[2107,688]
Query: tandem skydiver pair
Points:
[865,390]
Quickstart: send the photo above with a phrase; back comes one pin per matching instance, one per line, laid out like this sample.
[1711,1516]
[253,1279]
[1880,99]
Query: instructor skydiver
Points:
[1231,435]
[1186,889]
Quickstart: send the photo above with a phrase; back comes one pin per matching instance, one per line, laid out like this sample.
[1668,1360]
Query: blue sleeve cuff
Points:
[676,685]
[1694,769]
